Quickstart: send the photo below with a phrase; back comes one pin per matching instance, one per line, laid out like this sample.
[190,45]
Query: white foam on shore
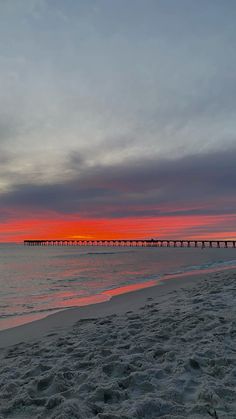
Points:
[13,320]
[144,355]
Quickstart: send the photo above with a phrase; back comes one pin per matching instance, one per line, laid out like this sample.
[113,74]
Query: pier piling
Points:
[135,243]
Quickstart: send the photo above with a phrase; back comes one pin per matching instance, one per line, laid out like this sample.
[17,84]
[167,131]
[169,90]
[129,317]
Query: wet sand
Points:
[166,351]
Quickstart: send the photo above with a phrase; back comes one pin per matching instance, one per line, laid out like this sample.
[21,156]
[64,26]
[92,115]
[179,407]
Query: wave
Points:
[104,253]
[203,267]
[219,264]
[81,255]
[101,297]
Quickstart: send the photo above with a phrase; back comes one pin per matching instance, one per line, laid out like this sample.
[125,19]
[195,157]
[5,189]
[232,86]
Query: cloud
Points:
[201,184]
[159,75]
[113,111]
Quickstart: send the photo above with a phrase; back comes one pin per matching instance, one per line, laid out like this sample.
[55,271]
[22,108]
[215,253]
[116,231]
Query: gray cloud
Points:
[194,185]
[8,129]
[113,110]
[161,75]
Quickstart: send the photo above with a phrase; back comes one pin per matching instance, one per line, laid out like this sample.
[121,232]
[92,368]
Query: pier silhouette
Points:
[135,243]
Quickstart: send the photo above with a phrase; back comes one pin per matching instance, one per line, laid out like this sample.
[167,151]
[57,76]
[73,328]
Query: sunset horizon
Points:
[117,120]
[117,209]
[37,229]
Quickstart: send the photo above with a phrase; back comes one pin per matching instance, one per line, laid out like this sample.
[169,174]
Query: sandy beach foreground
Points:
[163,352]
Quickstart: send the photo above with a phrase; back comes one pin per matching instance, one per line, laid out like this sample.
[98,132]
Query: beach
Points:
[117,209]
[166,351]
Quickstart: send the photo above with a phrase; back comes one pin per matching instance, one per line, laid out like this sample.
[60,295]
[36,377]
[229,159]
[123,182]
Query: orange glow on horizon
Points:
[53,226]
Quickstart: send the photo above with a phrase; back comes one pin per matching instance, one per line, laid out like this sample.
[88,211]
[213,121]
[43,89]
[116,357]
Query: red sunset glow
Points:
[115,124]
[134,228]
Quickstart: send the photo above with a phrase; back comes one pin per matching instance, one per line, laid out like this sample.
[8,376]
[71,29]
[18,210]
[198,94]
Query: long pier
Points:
[135,243]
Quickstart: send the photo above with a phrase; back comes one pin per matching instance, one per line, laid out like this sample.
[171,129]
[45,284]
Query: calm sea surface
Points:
[36,281]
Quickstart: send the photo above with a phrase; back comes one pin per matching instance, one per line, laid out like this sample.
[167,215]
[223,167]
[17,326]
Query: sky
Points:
[117,119]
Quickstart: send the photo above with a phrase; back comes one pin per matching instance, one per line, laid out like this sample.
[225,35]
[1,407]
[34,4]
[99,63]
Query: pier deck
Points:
[135,243]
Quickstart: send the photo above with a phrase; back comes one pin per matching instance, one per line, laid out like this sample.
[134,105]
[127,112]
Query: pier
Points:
[135,243]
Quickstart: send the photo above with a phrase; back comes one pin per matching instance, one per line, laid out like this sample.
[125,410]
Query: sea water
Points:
[36,281]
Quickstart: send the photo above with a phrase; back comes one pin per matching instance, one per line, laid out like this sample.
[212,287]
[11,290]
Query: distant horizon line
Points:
[22,241]
[127,240]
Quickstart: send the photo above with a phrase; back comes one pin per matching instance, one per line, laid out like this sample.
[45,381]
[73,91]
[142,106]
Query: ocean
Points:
[37,281]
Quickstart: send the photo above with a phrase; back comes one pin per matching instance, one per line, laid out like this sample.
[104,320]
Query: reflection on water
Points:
[36,281]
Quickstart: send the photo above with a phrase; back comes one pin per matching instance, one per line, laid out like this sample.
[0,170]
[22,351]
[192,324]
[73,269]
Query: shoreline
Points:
[46,303]
[165,351]
[118,303]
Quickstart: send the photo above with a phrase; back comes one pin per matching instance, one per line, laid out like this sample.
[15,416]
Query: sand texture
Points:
[174,357]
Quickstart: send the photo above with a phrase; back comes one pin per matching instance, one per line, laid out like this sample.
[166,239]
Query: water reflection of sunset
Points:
[131,287]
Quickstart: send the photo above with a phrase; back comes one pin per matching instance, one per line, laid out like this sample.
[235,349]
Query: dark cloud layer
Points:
[193,185]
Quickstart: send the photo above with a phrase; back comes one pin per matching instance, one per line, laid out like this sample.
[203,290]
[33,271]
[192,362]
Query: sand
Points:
[164,352]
